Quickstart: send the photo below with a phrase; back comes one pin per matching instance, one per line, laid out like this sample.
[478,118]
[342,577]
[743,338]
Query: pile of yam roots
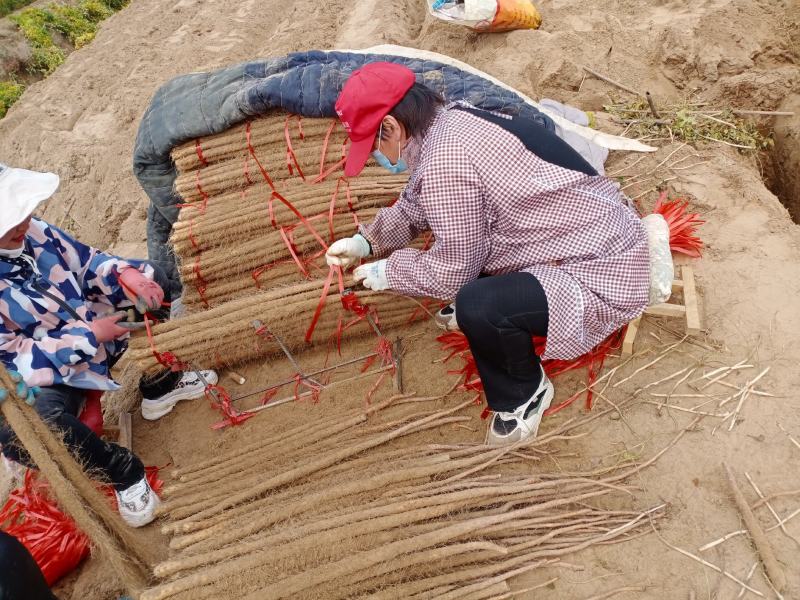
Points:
[261,203]
[368,506]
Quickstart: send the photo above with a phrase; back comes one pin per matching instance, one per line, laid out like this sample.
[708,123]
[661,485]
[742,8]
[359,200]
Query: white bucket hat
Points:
[21,191]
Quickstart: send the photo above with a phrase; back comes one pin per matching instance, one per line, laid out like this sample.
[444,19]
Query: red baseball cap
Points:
[368,96]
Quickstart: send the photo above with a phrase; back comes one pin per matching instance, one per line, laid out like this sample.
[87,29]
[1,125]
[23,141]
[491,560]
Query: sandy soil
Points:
[81,122]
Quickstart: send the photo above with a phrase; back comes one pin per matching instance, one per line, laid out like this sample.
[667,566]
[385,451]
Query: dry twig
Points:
[772,567]
[707,564]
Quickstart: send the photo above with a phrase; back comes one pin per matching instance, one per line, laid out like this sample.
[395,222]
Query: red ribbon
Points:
[221,400]
[324,154]
[321,303]
[293,251]
[264,174]
[290,155]
[457,345]
[165,359]
[199,149]
[246,169]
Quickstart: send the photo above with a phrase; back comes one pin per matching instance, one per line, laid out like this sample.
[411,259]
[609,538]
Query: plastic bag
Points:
[52,538]
[487,15]
[662,270]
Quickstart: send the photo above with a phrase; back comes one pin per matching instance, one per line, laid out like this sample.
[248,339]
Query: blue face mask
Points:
[399,167]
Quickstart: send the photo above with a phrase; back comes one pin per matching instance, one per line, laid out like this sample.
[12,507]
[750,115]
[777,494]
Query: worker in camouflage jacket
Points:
[64,325]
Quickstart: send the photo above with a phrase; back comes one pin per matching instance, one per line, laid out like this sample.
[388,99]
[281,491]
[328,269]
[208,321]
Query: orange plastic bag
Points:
[514,14]
[487,15]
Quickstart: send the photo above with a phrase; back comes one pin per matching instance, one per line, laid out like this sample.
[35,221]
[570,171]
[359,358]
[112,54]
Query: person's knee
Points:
[50,404]
[472,305]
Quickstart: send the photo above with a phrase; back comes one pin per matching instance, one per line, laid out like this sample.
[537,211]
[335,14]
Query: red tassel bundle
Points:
[682,225]
[52,538]
[456,344]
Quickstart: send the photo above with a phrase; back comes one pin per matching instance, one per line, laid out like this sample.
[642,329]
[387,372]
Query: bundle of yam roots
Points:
[376,504]
[261,202]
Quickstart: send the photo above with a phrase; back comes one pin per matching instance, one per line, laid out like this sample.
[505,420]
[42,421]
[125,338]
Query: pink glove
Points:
[143,292]
[105,329]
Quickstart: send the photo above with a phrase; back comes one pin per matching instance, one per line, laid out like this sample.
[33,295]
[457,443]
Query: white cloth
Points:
[15,253]
[21,191]
[593,153]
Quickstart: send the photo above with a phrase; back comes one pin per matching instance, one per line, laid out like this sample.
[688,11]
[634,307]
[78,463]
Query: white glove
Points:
[372,275]
[346,252]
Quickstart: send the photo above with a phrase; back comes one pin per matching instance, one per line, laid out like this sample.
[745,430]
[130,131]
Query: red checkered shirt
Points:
[494,207]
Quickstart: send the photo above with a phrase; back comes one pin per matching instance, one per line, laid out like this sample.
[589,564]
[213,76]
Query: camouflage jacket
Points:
[48,296]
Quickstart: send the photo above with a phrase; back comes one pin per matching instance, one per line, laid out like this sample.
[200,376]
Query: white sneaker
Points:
[522,423]
[188,388]
[446,318]
[137,504]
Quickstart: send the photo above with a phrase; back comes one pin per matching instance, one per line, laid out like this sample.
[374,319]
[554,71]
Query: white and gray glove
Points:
[372,275]
[347,252]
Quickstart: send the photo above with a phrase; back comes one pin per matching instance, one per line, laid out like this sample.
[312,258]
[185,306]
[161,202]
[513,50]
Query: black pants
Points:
[20,577]
[59,406]
[499,315]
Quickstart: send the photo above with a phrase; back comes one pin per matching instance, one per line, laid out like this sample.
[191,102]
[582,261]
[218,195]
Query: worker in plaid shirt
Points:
[529,240]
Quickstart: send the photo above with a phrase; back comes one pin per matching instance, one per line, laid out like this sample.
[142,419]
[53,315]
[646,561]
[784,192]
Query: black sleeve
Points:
[537,139]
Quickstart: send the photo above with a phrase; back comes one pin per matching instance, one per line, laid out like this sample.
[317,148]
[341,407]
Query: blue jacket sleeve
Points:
[38,360]
[97,271]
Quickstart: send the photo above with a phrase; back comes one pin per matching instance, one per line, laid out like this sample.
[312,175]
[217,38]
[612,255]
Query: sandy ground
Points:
[81,122]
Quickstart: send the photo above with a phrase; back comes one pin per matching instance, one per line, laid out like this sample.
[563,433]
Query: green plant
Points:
[45,60]
[10,91]
[77,22]
[72,21]
[691,123]
[116,5]
[33,23]
[9,6]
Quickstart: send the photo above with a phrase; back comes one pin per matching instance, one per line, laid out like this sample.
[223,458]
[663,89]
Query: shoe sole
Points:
[153,414]
[445,325]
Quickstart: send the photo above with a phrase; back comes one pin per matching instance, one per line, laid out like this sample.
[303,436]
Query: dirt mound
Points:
[82,121]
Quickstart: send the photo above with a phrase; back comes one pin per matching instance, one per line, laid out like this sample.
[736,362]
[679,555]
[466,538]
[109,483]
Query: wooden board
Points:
[630,336]
[666,310]
[689,310]
[693,326]
[125,432]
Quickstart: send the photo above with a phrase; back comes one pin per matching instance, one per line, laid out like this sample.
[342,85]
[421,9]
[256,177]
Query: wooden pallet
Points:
[689,310]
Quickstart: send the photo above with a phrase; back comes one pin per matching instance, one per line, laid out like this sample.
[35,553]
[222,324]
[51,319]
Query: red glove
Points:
[105,329]
[143,292]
